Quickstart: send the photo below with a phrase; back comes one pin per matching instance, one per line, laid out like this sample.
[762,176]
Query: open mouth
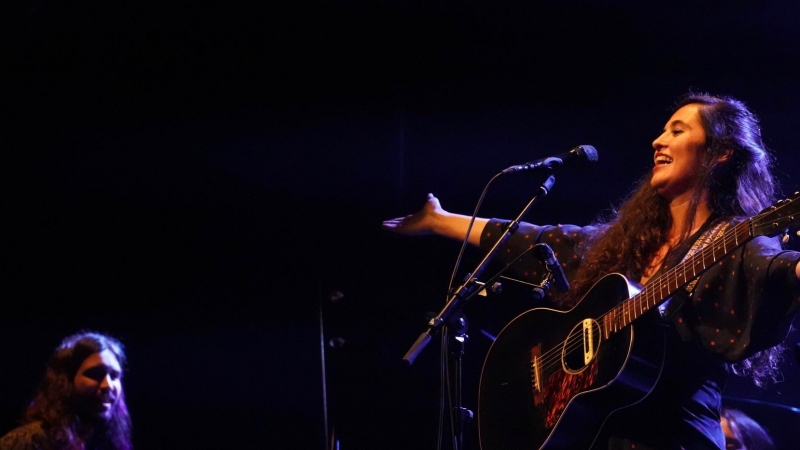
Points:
[662,160]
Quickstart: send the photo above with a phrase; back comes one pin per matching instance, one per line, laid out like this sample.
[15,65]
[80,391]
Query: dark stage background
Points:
[197,178]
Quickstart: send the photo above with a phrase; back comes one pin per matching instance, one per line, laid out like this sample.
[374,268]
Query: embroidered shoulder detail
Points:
[714,232]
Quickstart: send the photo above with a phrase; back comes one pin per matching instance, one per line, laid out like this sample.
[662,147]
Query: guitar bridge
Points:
[536,374]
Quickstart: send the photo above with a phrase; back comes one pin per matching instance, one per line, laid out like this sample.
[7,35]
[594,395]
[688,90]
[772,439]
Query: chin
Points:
[102,416]
[659,187]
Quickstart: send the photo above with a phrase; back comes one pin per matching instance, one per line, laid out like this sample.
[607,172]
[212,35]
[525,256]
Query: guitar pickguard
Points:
[561,387]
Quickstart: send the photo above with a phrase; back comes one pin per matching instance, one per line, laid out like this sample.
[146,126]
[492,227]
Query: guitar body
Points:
[550,380]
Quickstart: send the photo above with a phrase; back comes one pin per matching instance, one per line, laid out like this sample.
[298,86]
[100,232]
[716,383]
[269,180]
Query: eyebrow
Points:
[675,122]
[102,366]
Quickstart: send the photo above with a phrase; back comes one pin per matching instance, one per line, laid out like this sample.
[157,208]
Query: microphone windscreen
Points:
[589,151]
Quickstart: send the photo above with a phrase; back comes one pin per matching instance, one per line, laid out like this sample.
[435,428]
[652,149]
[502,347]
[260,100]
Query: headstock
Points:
[778,218]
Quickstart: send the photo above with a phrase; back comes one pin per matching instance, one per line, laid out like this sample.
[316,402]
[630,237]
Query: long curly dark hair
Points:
[739,185]
[53,402]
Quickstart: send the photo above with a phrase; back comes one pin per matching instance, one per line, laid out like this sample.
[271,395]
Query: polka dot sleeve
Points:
[565,240]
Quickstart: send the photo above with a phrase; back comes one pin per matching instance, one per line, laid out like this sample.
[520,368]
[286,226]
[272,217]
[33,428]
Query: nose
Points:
[659,142]
[106,383]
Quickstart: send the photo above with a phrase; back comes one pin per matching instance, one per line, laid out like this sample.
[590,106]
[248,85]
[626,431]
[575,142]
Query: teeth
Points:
[663,160]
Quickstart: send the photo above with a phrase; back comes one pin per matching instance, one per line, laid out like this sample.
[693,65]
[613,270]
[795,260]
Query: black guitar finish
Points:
[514,414]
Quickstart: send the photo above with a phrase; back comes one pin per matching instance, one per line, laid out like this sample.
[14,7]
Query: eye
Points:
[676,132]
[95,373]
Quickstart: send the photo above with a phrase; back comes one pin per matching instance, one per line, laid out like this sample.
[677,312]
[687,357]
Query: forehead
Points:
[688,114]
[105,358]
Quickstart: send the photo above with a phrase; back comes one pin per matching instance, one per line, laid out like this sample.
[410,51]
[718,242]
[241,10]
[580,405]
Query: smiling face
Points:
[98,385]
[678,155]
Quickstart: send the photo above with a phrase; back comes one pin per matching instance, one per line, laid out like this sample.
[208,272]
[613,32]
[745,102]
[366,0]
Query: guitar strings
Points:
[731,235]
[629,309]
[552,357]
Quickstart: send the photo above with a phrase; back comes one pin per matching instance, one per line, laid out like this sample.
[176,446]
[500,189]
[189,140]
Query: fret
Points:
[683,266]
[613,319]
[631,313]
[710,260]
[625,315]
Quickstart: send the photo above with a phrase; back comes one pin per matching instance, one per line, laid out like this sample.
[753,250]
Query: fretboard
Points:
[662,287]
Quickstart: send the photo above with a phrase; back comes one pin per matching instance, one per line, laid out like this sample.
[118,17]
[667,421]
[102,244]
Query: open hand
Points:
[420,223]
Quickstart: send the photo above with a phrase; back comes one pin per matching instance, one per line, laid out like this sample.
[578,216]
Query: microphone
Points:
[545,253]
[576,156]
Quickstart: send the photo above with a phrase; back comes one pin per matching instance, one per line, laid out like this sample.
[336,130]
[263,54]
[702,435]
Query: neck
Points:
[679,208]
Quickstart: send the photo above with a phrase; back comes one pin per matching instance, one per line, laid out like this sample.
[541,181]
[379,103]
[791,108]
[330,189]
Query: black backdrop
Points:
[197,178]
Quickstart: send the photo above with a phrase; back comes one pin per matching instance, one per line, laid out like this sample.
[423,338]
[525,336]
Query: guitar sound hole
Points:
[580,347]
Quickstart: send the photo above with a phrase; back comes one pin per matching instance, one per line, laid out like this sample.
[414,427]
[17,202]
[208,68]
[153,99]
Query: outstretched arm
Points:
[433,219]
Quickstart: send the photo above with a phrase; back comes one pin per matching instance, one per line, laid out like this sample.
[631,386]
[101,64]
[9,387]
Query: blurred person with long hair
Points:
[79,403]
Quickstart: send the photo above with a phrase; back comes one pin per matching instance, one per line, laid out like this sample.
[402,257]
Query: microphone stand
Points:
[460,295]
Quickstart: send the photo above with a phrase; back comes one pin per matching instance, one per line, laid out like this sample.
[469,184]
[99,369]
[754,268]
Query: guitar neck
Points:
[662,287]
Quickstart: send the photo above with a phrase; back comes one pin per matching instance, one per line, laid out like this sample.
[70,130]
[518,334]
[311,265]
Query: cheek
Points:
[84,386]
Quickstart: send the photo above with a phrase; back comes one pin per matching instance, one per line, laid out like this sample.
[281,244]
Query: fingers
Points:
[416,223]
[392,223]
[433,201]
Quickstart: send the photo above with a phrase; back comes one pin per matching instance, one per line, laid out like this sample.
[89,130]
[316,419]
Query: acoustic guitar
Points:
[552,378]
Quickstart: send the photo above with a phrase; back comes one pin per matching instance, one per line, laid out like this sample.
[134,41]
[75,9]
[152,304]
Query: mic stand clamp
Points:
[540,290]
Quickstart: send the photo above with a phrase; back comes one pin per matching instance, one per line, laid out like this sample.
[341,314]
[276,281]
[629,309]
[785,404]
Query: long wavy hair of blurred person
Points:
[53,402]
